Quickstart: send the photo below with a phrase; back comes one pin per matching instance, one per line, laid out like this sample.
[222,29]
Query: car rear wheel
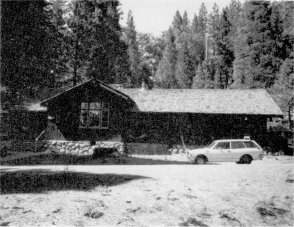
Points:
[200,160]
[246,159]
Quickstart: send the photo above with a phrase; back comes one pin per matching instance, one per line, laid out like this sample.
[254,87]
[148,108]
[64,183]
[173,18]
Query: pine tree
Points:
[195,25]
[151,50]
[202,27]
[217,79]
[26,48]
[185,23]
[165,74]
[133,50]
[286,10]
[106,43]
[234,13]
[196,44]
[197,39]
[284,86]
[122,64]
[225,50]
[214,29]
[202,19]
[79,47]
[96,45]
[60,31]
[177,25]
[208,68]
[184,67]
[255,47]
[185,31]
[199,78]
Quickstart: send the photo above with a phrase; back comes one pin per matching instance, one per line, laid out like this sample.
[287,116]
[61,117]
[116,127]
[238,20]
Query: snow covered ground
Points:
[216,194]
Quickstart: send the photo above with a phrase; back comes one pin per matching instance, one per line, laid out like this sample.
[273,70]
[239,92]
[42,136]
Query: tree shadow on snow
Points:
[42,180]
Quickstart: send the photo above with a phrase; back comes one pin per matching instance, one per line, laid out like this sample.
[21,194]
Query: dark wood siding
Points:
[68,109]
[196,129]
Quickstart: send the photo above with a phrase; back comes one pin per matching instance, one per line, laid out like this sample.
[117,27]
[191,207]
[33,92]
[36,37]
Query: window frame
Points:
[238,147]
[249,141]
[104,109]
[222,142]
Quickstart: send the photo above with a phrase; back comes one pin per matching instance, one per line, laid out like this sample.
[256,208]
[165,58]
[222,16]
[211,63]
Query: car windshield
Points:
[211,145]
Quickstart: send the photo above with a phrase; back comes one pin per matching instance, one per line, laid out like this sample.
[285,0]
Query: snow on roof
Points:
[210,101]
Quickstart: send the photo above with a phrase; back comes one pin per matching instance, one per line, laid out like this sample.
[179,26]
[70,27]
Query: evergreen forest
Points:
[50,45]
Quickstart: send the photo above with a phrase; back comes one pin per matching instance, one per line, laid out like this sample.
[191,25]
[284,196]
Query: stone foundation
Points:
[83,148]
[79,148]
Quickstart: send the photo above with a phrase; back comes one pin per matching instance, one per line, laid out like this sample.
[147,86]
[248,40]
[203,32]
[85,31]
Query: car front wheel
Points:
[200,160]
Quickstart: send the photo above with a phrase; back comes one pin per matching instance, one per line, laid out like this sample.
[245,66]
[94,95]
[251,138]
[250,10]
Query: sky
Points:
[155,16]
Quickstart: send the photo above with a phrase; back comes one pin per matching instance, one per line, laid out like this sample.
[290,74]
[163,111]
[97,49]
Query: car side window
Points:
[250,144]
[222,145]
[237,145]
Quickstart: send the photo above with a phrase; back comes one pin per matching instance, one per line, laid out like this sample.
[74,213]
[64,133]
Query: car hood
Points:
[198,151]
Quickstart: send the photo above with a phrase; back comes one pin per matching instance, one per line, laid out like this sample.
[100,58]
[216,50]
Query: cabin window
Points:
[94,115]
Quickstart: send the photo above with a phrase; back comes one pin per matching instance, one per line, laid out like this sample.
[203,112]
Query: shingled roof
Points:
[210,101]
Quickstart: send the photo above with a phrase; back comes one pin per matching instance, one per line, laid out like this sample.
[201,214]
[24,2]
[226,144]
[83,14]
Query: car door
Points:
[238,149]
[221,152]
[253,149]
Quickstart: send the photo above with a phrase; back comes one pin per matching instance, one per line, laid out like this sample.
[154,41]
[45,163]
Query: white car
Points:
[229,150]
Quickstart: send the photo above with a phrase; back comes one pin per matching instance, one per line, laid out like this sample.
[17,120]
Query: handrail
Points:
[36,140]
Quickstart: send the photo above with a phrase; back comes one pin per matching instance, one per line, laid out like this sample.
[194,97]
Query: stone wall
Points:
[79,148]
[83,148]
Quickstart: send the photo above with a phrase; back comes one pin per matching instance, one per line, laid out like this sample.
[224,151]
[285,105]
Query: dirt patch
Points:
[276,210]
[134,210]
[228,216]
[94,214]
[192,222]
[290,178]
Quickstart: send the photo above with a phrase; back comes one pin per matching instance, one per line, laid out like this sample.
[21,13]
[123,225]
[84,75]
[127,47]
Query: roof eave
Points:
[190,112]
[102,84]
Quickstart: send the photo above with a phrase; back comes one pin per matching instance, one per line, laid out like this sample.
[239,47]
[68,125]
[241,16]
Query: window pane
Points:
[105,115]
[84,118]
[84,105]
[250,144]
[104,124]
[94,118]
[106,105]
[212,144]
[95,105]
[223,145]
[237,145]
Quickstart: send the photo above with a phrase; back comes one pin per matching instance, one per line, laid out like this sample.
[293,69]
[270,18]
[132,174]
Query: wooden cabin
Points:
[95,111]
